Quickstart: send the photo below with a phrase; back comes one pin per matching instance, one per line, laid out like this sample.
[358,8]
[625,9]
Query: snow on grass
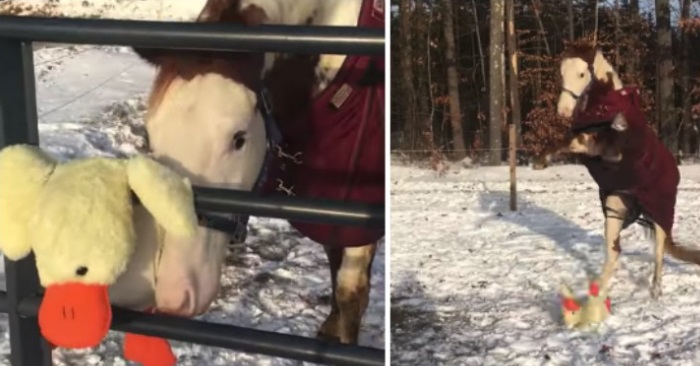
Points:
[170,10]
[475,284]
[91,103]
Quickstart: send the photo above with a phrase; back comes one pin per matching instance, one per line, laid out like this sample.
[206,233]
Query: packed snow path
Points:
[476,284]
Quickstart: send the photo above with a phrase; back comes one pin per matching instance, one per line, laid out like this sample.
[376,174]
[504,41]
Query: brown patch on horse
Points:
[583,49]
[229,11]
[600,87]
[244,68]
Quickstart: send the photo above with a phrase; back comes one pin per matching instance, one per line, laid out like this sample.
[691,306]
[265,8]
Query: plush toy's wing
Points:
[24,169]
[166,195]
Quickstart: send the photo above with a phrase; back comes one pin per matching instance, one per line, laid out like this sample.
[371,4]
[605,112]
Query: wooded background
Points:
[462,70]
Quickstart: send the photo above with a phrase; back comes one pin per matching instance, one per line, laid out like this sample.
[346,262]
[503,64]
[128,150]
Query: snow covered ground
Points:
[473,283]
[91,102]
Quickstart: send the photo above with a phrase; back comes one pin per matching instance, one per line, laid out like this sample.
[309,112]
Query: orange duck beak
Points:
[75,315]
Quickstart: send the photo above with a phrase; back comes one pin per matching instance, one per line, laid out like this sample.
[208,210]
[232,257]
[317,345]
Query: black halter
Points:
[572,94]
[236,224]
[585,89]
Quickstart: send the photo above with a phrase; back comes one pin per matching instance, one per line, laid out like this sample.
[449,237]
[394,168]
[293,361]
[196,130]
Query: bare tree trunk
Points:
[406,73]
[430,121]
[423,108]
[686,121]
[570,13]
[513,78]
[634,6]
[616,34]
[496,83]
[536,8]
[665,101]
[478,42]
[482,62]
[632,58]
[453,83]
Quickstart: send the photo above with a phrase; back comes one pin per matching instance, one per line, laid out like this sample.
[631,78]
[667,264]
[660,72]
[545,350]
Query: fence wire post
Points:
[18,124]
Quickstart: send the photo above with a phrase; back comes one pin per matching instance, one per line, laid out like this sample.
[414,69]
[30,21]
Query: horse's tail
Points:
[682,253]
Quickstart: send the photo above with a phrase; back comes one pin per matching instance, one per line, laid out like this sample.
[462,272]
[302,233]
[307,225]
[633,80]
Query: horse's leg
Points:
[568,144]
[329,328]
[364,296]
[352,291]
[660,237]
[615,213]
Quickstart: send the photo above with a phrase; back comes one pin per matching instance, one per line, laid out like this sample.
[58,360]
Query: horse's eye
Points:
[581,75]
[238,140]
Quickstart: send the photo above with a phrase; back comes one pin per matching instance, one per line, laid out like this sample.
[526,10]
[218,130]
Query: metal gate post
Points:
[18,124]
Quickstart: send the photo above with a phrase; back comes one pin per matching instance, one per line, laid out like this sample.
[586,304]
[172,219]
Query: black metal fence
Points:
[18,124]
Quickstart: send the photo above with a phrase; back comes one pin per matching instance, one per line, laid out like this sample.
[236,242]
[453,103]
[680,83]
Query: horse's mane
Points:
[229,11]
[240,66]
[581,48]
[586,50]
[599,87]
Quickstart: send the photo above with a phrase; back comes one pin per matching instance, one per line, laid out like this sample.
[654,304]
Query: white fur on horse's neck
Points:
[320,12]
[603,70]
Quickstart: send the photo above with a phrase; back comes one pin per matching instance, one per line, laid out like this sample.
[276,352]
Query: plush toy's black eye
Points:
[238,140]
[81,271]
[581,75]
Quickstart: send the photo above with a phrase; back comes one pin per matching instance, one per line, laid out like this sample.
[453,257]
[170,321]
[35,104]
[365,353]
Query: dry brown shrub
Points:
[46,9]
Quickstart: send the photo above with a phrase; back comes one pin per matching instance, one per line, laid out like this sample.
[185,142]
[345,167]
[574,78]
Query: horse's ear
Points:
[229,11]
[253,15]
[590,55]
[213,10]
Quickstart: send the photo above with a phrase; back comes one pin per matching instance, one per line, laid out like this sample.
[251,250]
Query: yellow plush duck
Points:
[588,315]
[77,219]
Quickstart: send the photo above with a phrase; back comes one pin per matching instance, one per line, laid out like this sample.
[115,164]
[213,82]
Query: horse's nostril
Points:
[81,271]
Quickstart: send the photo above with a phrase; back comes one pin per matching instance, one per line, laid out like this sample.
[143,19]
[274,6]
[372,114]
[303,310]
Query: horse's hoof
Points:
[656,292]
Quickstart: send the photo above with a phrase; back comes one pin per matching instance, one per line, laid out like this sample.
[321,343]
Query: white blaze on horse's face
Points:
[205,125]
[576,77]
[209,129]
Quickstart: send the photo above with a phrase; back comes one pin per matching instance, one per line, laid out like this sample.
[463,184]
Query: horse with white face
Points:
[636,174]
[579,67]
[207,119]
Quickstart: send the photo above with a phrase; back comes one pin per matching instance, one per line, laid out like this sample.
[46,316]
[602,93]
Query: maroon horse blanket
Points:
[341,141]
[647,171]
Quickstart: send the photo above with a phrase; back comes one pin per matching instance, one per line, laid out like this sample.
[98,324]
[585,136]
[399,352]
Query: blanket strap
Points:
[236,225]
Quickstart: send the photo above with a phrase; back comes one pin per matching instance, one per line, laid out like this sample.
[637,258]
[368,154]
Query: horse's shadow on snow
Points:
[545,222]
[577,242]
[416,323]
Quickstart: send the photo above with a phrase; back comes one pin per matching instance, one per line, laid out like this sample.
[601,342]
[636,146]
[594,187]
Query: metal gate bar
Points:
[291,208]
[18,124]
[209,36]
[225,336]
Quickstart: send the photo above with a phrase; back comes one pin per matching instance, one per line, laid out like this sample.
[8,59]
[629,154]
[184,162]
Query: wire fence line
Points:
[398,151]
[69,54]
[92,89]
